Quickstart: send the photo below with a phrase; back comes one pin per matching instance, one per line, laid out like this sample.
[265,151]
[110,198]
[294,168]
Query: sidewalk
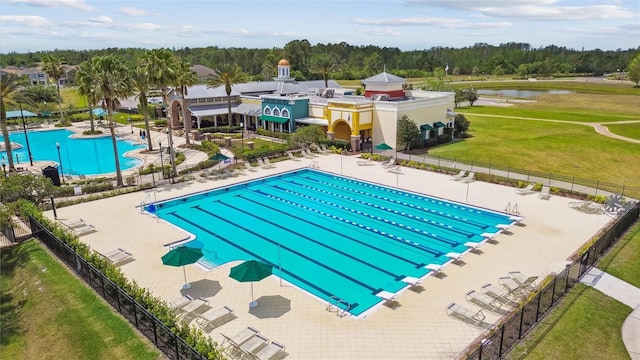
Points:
[626,294]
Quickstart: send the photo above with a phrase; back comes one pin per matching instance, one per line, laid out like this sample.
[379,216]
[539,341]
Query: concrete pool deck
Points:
[418,328]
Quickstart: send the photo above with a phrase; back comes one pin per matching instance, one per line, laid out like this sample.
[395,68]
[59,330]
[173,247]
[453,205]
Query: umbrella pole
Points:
[186,284]
[252,304]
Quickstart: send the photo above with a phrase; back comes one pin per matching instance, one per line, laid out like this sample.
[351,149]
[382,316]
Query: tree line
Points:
[359,62]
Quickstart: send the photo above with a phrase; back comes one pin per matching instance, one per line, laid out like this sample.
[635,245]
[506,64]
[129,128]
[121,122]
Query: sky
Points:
[36,25]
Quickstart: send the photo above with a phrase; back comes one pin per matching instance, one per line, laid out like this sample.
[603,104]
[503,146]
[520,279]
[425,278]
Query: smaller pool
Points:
[86,156]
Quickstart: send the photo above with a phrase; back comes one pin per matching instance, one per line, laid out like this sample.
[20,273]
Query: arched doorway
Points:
[342,130]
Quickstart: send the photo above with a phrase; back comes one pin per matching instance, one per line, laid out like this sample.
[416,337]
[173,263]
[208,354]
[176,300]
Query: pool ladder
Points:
[334,304]
[314,164]
[144,202]
[512,210]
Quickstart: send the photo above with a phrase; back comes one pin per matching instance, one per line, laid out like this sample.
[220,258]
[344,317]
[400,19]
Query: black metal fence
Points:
[571,183]
[516,326]
[173,346]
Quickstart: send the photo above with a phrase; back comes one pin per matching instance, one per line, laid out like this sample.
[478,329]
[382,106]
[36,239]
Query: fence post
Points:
[553,291]
[538,305]
[175,338]
[501,342]
[521,321]
[104,291]
[566,286]
[119,304]
[135,314]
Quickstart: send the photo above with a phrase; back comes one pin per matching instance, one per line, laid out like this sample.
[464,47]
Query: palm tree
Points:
[141,86]
[113,80]
[324,64]
[9,84]
[159,66]
[228,75]
[184,78]
[54,70]
[87,87]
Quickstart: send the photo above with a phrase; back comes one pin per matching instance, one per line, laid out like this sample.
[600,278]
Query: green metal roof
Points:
[438,124]
[426,127]
[277,119]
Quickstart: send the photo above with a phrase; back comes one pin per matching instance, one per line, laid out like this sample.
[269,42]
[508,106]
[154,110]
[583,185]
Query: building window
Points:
[285,113]
[267,110]
[276,112]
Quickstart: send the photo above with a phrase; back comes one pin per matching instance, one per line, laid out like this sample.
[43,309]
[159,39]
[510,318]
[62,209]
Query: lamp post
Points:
[171,156]
[26,137]
[4,167]
[242,126]
[161,162]
[60,160]
[131,123]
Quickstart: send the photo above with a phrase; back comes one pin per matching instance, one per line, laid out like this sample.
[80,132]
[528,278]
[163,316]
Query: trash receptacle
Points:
[52,173]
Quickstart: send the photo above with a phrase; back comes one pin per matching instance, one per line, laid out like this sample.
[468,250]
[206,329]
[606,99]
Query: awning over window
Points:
[276,119]
[313,121]
[426,127]
[438,124]
[199,111]
[248,109]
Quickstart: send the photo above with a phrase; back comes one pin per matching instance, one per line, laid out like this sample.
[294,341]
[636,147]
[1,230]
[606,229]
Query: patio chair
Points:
[397,169]
[177,303]
[73,223]
[292,157]
[544,193]
[269,351]
[519,291]
[83,230]
[499,294]
[253,344]
[190,311]
[249,167]
[475,318]
[117,256]
[469,178]
[484,301]
[519,277]
[308,154]
[230,173]
[262,164]
[587,207]
[324,149]
[213,317]
[526,190]
[268,163]
[238,339]
[458,176]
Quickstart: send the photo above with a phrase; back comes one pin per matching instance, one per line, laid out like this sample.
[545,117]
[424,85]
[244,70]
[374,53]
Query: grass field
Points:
[622,261]
[49,314]
[564,149]
[628,130]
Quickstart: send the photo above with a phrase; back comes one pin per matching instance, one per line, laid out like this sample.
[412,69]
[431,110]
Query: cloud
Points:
[533,10]
[28,20]
[131,11]
[75,4]
[427,21]
[382,32]
[102,20]
[200,32]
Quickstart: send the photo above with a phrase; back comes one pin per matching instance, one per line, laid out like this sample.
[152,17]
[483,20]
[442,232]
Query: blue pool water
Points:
[86,156]
[329,235]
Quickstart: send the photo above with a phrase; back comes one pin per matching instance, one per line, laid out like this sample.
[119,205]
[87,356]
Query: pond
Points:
[519,93]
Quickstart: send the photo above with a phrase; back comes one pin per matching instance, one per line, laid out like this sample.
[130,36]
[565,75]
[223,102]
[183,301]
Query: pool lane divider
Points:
[467,234]
[371,216]
[335,271]
[425,209]
[331,248]
[258,257]
[425,248]
[365,244]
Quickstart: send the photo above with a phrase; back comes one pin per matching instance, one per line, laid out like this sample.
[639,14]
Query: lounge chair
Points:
[526,190]
[458,176]
[249,167]
[292,157]
[484,301]
[499,294]
[230,173]
[83,230]
[587,207]
[253,344]
[390,162]
[238,339]
[269,351]
[519,277]
[397,169]
[117,256]
[308,154]
[213,317]
[74,223]
[544,193]
[190,309]
[324,149]
[268,163]
[520,291]
[178,303]
[366,162]
[262,164]
[475,318]
[469,178]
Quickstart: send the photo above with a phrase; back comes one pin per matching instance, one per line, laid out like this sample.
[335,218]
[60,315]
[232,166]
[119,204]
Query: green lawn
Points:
[49,314]
[628,130]
[564,149]
[528,111]
[624,260]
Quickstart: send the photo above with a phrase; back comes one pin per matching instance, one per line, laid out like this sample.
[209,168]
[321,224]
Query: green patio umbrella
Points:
[181,256]
[383,146]
[219,157]
[250,271]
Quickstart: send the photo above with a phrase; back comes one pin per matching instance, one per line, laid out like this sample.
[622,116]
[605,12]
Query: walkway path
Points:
[626,294]
[598,127]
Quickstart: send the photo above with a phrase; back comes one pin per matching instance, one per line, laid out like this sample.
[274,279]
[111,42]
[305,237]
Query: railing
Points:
[173,346]
[571,183]
[516,326]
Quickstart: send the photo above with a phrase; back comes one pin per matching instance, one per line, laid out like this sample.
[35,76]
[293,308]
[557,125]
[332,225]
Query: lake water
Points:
[522,93]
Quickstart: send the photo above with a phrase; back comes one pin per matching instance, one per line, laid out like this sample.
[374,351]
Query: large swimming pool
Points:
[334,237]
[80,156]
